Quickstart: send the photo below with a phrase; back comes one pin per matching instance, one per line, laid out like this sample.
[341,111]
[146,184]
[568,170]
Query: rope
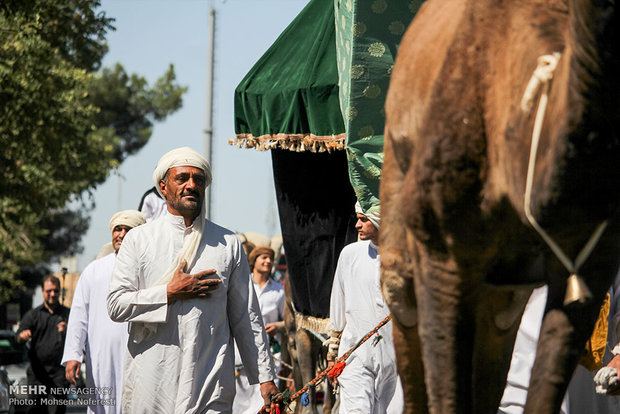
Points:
[282,398]
[311,323]
[364,339]
[542,77]
[317,335]
[289,366]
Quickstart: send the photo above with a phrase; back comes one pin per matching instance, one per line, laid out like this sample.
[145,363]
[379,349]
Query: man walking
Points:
[270,296]
[184,285]
[91,329]
[45,326]
[368,382]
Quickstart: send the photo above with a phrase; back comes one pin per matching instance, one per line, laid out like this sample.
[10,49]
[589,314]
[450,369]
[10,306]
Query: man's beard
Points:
[193,207]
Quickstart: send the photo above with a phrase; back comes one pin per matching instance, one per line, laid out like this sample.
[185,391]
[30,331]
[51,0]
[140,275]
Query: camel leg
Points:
[306,361]
[551,372]
[291,333]
[328,402]
[287,360]
[320,353]
[446,315]
[297,383]
[399,293]
[410,368]
[498,318]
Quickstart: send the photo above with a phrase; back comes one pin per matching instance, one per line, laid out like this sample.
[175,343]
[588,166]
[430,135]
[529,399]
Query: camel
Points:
[462,244]
[307,356]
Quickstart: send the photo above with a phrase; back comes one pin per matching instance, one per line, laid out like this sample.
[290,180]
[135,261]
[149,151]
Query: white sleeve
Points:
[128,301]
[246,322]
[77,327]
[337,301]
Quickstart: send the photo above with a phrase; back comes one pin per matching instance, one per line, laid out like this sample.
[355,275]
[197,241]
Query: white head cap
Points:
[181,157]
[374,217]
[129,218]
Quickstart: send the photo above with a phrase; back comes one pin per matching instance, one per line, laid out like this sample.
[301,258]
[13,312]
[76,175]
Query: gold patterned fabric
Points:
[592,359]
[368,33]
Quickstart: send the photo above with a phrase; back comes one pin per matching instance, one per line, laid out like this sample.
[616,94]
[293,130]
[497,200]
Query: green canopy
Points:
[368,33]
[289,99]
[326,78]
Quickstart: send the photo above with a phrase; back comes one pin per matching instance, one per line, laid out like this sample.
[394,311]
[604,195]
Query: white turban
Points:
[374,215]
[129,218]
[180,157]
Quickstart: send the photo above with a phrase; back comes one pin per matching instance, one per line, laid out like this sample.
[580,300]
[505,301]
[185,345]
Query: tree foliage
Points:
[64,125]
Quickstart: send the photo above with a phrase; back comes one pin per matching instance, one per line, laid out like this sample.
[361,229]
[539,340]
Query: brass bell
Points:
[576,291]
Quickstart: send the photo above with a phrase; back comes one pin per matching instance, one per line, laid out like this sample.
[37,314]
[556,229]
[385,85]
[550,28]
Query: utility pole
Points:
[209,121]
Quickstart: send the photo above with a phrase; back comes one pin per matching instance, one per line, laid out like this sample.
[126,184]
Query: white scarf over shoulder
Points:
[179,157]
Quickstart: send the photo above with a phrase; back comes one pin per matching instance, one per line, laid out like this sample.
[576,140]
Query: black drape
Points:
[317,208]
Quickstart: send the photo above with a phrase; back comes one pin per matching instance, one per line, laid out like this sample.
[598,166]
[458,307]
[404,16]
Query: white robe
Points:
[91,329]
[248,399]
[188,365]
[368,382]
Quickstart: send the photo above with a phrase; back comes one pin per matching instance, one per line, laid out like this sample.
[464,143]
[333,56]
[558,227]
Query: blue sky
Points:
[151,34]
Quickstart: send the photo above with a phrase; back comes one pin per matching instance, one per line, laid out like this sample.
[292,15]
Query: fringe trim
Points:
[292,142]
[312,323]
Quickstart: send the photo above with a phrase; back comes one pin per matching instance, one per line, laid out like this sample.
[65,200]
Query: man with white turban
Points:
[369,379]
[184,285]
[91,329]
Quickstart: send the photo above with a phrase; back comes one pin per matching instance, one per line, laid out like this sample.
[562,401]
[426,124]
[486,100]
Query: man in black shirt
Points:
[46,327]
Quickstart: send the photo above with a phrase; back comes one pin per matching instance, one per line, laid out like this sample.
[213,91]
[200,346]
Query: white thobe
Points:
[188,365]
[248,399]
[91,329]
[271,301]
[368,381]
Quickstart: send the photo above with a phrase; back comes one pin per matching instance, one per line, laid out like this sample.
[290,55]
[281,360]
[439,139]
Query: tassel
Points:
[337,369]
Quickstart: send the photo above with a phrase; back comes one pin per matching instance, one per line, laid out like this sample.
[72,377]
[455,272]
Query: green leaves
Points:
[128,106]
[63,126]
